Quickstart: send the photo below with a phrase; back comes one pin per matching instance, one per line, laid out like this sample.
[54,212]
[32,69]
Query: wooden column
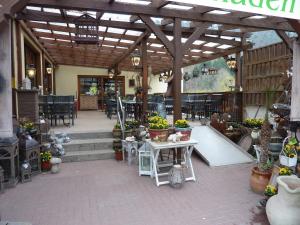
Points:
[116,80]
[295,105]
[6,127]
[177,64]
[238,76]
[145,75]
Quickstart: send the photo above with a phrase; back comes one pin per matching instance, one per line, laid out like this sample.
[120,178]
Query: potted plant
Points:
[261,173]
[285,171]
[158,129]
[184,128]
[45,160]
[117,132]
[270,190]
[288,155]
[118,154]
[27,126]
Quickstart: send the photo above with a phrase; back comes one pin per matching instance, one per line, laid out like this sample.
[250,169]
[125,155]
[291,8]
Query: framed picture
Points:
[131,82]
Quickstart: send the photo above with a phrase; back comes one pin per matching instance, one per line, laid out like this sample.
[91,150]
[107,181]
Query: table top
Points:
[163,145]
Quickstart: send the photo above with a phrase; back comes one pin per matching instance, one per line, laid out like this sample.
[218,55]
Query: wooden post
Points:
[177,64]
[145,76]
[295,106]
[238,76]
[6,127]
[116,80]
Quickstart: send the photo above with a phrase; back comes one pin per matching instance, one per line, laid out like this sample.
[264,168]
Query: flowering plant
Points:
[46,156]
[182,124]
[253,123]
[157,122]
[27,124]
[270,190]
[291,147]
[285,171]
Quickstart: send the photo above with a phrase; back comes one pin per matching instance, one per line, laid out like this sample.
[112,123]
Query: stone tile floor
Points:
[111,193]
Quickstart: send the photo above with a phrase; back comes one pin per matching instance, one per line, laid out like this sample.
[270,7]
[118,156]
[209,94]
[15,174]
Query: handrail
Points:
[121,109]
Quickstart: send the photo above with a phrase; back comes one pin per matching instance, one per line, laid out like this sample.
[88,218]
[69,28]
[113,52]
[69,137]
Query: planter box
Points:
[159,135]
[286,161]
[186,133]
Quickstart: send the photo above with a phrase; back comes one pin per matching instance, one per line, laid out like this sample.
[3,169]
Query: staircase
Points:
[89,146]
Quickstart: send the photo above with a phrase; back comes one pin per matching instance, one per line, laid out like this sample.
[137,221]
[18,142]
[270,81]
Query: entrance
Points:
[104,85]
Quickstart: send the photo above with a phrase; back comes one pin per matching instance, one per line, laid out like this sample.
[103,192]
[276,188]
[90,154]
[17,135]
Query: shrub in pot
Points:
[118,154]
[288,155]
[184,128]
[158,129]
[117,132]
[45,160]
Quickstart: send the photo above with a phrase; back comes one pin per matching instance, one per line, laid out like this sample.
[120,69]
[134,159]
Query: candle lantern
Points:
[25,172]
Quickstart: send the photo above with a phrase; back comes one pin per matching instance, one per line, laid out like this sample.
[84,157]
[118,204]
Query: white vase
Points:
[284,208]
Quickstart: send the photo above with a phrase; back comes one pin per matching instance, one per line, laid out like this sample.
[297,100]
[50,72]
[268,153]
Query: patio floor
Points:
[111,193]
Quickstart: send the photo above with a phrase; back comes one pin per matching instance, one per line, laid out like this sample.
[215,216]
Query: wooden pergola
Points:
[170,35]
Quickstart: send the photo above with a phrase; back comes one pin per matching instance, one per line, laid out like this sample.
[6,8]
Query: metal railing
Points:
[121,114]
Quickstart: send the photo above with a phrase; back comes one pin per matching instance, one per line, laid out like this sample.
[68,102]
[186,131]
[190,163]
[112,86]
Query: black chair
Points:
[111,108]
[62,108]
[169,102]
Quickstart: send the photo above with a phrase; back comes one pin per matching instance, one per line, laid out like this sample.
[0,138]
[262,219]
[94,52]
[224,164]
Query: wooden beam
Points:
[177,64]
[165,22]
[285,38]
[133,19]
[150,10]
[159,34]
[160,3]
[295,25]
[131,49]
[195,36]
[145,76]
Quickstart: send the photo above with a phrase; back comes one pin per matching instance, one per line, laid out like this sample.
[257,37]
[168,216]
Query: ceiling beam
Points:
[159,34]
[149,10]
[160,3]
[296,25]
[195,36]
[130,50]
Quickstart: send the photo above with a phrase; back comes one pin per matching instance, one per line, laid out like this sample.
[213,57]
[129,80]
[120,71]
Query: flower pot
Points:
[286,161]
[118,155]
[159,135]
[128,133]
[117,144]
[45,166]
[117,133]
[186,133]
[259,180]
[284,208]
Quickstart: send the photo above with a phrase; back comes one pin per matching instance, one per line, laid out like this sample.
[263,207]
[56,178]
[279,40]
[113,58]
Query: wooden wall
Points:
[263,69]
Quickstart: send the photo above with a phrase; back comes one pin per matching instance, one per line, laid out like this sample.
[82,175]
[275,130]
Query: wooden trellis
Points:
[264,68]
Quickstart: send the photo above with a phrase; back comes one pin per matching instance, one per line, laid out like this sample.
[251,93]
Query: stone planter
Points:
[186,133]
[284,208]
[159,135]
[259,180]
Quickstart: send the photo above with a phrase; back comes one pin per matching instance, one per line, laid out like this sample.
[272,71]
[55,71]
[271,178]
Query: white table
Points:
[187,149]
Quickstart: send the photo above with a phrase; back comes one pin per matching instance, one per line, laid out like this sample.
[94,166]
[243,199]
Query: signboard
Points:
[278,8]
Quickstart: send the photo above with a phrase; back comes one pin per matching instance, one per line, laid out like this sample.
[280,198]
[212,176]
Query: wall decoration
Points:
[131,82]
[219,79]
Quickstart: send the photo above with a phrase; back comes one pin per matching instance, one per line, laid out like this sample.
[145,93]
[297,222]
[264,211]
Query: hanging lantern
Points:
[196,72]
[186,76]
[231,63]
[204,70]
[49,70]
[31,71]
[135,58]
[110,74]
[86,30]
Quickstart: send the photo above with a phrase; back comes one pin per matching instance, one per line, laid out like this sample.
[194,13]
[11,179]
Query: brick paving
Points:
[108,192]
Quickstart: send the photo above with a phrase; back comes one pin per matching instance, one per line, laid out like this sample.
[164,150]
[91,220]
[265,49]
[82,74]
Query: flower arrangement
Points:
[182,124]
[270,190]
[253,123]
[46,156]
[285,171]
[26,124]
[133,124]
[158,123]
[118,126]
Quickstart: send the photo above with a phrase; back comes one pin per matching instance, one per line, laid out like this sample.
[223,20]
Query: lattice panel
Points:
[263,69]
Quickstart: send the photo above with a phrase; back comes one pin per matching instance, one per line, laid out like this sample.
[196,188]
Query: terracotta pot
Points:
[284,208]
[159,135]
[46,166]
[117,144]
[186,133]
[259,180]
[119,155]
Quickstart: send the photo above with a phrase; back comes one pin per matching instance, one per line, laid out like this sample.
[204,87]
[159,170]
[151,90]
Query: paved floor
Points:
[88,121]
[111,193]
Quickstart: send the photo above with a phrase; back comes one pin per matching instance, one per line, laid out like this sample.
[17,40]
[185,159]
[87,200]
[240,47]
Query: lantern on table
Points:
[145,161]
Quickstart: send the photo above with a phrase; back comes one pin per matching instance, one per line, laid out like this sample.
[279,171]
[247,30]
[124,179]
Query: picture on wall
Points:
[131,82]
[212,76]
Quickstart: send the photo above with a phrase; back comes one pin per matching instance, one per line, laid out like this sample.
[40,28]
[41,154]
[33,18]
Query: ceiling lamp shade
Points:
[49,70]
[31,71]
[110,74]
[135,59]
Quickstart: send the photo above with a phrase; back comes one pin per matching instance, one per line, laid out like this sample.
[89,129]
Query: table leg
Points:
[189,161]
[155,154]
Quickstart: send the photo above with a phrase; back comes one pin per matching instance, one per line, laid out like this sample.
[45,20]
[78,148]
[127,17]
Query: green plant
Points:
[27,124]
[45,156]
[133,124]
[157,122]
[93,90]
[118,126]
[253,123]
[182,124]
[270,190]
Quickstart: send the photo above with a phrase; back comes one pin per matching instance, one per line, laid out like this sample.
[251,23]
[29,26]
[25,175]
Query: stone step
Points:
[89,144]
[90,135]
[79,156]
